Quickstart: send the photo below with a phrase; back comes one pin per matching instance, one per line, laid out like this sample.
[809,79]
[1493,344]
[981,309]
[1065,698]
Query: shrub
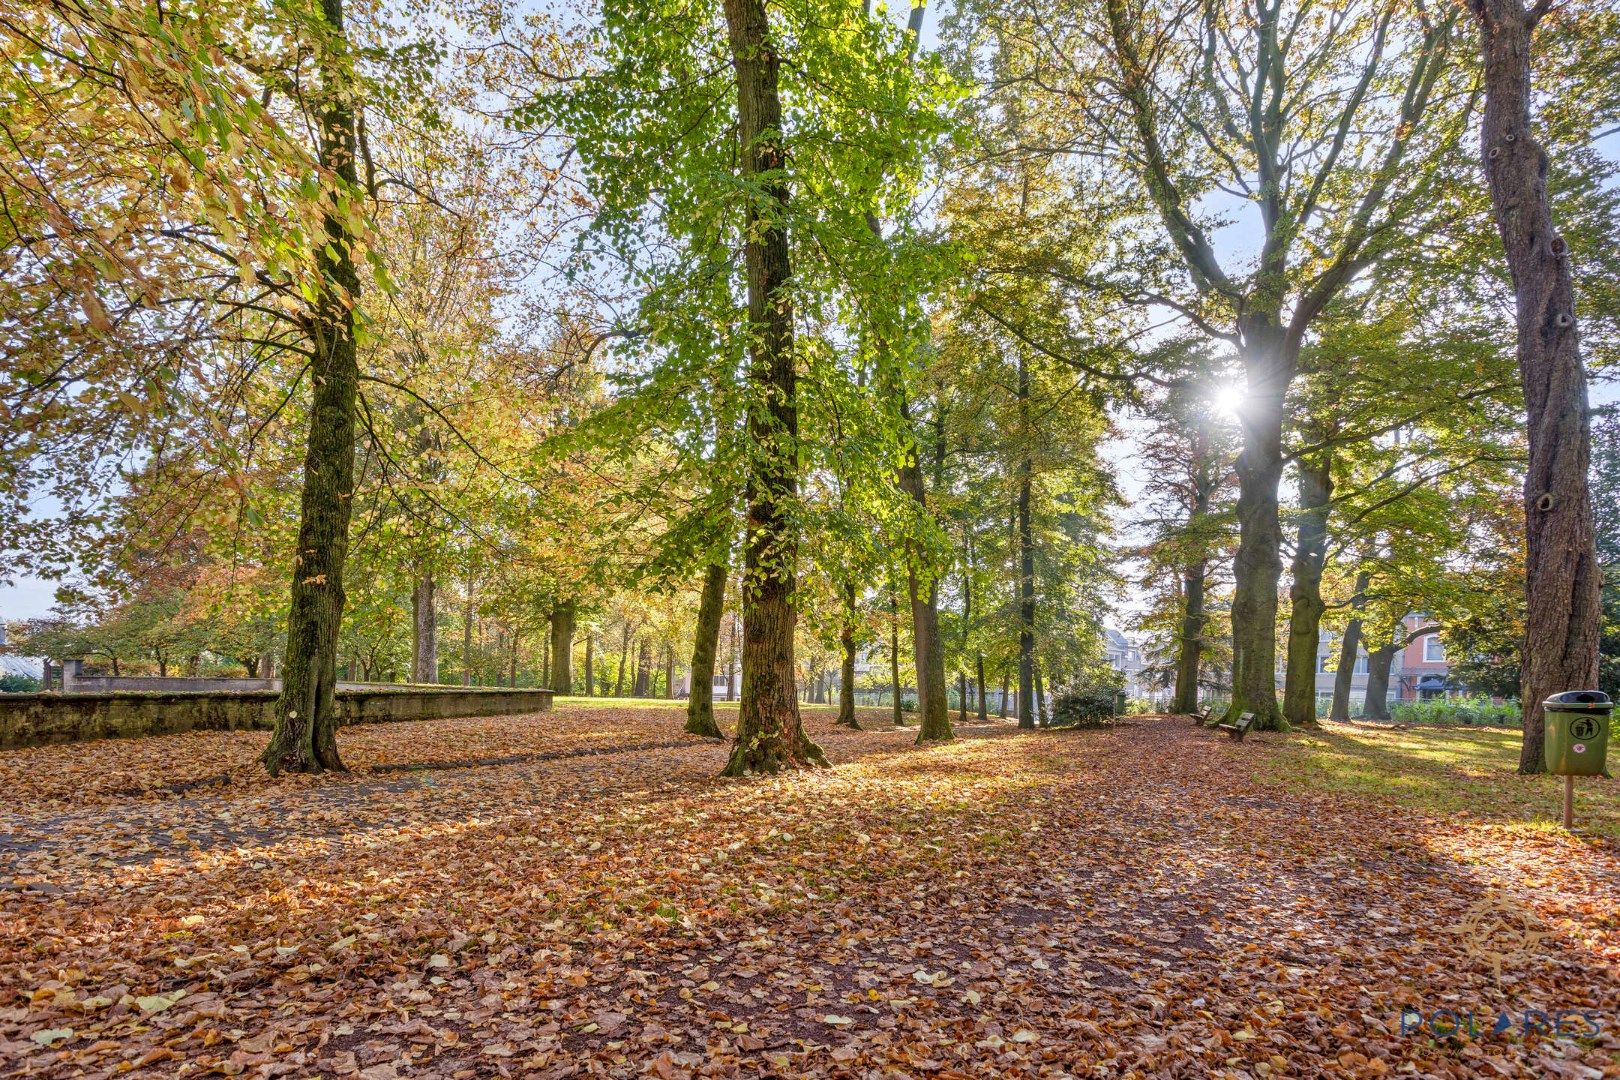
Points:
[1091,707]
[19,684]
[1465,712]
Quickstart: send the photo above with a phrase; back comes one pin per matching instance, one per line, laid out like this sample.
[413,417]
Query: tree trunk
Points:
[563,619]
[644,675]
[1257,568]
[1026,593]
[1040,696]
[467,634]
[1006,690]
[846,670]
[305,736]
[984,716]
[1348,652]
[669,672]
[512,670]
[770,734]
[1189,655]
[894,656]
[624,660]
[711,606]
[590,665]
[928,648]
[1563,616]
[1375,706]
[1305,594]
[424,632]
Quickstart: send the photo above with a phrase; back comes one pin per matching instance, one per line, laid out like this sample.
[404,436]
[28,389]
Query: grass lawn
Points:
[1449,772]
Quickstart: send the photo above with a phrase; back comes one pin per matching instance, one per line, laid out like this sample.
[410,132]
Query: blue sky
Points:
[29,597]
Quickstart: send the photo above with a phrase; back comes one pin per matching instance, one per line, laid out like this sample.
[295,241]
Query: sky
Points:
[28,597]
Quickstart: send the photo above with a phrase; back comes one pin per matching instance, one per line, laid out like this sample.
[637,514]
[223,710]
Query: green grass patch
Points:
[1445,772]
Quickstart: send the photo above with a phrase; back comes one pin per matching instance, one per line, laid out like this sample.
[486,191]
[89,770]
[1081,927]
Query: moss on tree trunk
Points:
[305,736]
[770,734]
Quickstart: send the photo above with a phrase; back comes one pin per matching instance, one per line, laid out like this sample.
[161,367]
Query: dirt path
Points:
[1086,904]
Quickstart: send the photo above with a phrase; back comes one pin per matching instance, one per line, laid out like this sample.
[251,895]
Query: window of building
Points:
[1433,651]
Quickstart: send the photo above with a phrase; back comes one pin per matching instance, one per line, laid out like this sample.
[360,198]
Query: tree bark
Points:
[1006,688]
[1257,568]
[894,656]
[1305,594]
[928,648]
[563,619]
[770,734]
[590,657]
[1375,706]
[846,670]
[643,682]
[1563,614]
[1026,597]
[305,736]
[424,632]
[705,646]
[984,715]
[467,635]
[1349,650]
[624,660]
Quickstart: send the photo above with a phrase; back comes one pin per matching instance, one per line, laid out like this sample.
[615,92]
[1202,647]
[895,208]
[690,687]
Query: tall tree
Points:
[1563,613]
[305,736]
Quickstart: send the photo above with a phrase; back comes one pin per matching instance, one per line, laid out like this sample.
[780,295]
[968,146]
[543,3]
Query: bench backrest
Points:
[1245,720]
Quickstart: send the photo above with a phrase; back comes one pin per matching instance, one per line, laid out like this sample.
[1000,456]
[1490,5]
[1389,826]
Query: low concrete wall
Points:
[39,719]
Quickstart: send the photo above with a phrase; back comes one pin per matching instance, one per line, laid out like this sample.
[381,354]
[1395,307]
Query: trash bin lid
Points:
[1576,700]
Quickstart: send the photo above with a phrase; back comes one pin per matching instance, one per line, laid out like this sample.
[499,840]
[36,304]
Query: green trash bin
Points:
[1576,735]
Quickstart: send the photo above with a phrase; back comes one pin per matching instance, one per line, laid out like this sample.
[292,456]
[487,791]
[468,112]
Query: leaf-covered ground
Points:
[577,894]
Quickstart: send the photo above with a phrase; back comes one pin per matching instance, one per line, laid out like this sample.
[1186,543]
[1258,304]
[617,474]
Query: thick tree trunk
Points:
[305,736]
[424,632]
[1257,568]
[928,648]
[1305,595]
[1375,706]
[563,619]
[1349,650]
[770,734]
[1563,616]
[711,606]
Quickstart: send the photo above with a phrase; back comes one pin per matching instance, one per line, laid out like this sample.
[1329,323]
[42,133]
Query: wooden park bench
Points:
[1199,719]
[1239,729]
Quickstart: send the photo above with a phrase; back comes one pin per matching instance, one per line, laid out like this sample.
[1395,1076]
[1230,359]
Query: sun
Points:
[1229,399]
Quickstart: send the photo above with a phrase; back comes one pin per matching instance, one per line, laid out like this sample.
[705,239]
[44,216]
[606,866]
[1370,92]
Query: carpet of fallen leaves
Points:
[576,893]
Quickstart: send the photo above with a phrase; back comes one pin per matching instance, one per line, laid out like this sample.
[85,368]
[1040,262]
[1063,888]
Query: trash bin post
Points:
[1575,739]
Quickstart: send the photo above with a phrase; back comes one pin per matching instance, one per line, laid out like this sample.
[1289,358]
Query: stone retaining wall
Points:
[38,719]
